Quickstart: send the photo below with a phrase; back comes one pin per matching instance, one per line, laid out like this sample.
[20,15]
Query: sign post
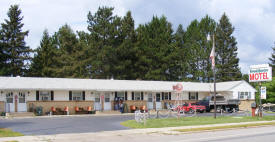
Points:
[260,73]
[178,89]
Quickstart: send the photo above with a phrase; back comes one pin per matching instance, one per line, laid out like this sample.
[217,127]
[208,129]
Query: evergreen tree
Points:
[13,43]
[193,50]
[124,67]
[104,30]
[272,60]
[227,63]
[154,50]
[179,71]
[68,45]
[43,61]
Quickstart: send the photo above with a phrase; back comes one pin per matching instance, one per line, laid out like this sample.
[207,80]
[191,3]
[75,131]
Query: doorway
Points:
[10,103]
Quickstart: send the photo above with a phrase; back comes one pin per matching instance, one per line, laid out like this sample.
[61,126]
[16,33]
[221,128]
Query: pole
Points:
[214,72]
[260,101]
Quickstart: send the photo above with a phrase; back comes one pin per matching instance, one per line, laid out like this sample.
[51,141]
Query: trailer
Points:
[228,105]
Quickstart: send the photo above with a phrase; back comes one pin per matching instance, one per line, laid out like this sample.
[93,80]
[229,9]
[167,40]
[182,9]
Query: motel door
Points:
[97,104]
[22,106]
[107,102]
[158,102]
[10,102]
[150,103]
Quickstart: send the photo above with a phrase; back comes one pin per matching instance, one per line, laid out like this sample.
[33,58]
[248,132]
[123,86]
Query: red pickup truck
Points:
[190,108]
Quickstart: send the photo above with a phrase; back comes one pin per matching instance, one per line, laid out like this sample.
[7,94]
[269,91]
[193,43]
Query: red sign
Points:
[178,87]
[102,97]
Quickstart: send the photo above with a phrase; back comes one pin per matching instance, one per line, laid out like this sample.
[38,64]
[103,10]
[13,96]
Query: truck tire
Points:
[191,110]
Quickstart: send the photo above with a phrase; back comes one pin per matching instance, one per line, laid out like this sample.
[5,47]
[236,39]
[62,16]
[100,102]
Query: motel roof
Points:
[39,83]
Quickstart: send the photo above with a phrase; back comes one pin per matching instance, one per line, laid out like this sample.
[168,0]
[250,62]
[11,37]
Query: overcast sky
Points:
[254,20]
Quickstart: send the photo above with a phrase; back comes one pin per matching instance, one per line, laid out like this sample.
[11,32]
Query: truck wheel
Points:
[191,110]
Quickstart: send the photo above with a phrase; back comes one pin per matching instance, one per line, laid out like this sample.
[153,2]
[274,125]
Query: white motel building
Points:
[21,94]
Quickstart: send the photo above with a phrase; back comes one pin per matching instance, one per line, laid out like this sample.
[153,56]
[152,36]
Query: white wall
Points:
[243,87]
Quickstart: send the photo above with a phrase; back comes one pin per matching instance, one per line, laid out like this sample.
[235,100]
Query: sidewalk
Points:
[114,135]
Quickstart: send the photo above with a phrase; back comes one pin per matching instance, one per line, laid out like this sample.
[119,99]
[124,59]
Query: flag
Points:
[212,56]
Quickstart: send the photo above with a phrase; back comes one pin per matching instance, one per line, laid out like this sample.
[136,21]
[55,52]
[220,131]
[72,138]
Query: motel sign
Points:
[259,73]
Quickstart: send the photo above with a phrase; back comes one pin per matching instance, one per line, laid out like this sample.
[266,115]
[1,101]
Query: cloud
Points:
[254,20]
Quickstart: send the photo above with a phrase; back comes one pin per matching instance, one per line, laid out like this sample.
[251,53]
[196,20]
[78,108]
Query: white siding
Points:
[243,87]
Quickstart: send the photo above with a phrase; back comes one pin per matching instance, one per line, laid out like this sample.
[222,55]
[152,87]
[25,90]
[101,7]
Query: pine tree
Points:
[68,45]
[104,34]
[43,61]
[124,67]
[193,50]
[227,63]
[179,70]
[153,49]
[272,60]
[13,41]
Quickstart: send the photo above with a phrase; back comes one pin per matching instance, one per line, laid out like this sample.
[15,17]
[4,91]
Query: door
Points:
[97,104]
[22,106]
[10,105]
[158,102]
[107,102]
[150,104]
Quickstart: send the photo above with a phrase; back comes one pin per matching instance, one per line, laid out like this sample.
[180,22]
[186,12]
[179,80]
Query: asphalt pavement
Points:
[61,125]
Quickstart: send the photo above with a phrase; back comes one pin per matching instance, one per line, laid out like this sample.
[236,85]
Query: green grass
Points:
[225,127]
[8,133]
[191,121]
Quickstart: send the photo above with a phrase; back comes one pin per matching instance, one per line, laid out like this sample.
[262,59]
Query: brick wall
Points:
[246,104]
[2,106]
[46,105]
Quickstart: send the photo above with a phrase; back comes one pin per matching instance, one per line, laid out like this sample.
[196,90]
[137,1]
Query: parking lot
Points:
[81,124]
[60,125]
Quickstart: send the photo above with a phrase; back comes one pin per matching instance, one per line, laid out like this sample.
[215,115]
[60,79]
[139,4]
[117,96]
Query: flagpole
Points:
[214,72]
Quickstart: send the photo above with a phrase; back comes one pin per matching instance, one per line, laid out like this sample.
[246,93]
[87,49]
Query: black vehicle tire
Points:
[202,111]
[191,110]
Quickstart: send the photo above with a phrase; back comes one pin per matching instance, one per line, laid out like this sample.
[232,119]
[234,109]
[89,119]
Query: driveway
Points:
[61,125]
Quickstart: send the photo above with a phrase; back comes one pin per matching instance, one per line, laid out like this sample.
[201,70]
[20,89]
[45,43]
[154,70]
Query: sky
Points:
[253,20]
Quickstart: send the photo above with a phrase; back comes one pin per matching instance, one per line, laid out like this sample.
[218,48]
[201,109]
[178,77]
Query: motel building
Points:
[23,94]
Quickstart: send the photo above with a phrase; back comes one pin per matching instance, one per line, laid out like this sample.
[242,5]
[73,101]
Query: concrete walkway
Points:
[120,135]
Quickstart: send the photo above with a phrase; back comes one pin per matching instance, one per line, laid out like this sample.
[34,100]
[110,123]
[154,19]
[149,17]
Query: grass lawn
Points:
[8,133]
[189,121]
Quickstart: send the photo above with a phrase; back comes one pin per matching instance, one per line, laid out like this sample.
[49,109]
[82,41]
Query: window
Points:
[137,95]
[166,96]
[97,97]
[193,95]
[157,97]
[121,95]
[150,97]
[22,97]
[107,97]
[9,97]
[44,96]
[244,95]
[77,95]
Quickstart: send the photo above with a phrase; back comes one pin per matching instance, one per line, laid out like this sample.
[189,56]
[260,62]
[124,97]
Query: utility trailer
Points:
[228,105]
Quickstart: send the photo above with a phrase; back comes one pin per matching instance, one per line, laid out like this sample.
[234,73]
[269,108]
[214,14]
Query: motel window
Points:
[45,96]
[77,95]
[150,97]
[9,97]
[22,97]
[157,97]
[121,95]
[107,97]
[193,95]
[138,95]
[166,96]
[244,95]
[97,97]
